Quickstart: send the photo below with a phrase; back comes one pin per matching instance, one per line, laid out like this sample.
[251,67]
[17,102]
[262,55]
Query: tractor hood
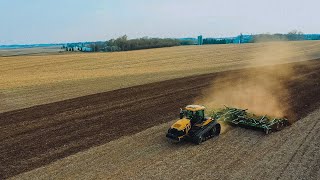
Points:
[181,124]
[177,130]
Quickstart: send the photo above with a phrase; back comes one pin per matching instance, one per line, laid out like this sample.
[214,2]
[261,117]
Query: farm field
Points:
[144,90]
[27,81]
[31,51]
[109,121]
[237,154]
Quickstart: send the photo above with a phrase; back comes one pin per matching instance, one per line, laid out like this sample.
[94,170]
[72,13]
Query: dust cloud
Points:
[262,90]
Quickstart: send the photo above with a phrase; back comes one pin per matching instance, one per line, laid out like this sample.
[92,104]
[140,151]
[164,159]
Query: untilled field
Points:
[40,135]
[27,81]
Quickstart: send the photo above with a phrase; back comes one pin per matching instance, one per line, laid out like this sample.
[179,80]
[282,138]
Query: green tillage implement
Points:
[240,117]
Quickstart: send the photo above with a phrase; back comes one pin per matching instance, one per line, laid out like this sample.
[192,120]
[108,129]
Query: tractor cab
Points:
[195,113]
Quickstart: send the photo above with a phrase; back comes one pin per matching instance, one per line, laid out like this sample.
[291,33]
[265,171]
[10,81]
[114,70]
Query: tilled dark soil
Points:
[39,135]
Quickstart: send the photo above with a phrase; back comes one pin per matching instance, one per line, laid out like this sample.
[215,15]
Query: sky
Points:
[58,21]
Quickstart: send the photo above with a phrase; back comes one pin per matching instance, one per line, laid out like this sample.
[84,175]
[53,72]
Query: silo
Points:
[200,40]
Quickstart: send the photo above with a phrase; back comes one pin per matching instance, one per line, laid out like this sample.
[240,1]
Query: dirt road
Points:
[36,136]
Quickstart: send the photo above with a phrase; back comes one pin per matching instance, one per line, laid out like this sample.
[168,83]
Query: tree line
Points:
[291,36]
[124,44]
[217,41]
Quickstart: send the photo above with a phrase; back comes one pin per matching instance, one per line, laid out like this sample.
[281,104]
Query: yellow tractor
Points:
[193,126]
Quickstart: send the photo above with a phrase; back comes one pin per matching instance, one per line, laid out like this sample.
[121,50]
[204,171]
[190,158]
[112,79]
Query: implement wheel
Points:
[268,131]
[279,126]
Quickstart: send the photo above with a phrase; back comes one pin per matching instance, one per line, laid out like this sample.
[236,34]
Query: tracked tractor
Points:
[193,126]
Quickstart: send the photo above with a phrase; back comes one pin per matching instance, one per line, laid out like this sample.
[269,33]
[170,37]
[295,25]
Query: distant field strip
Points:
[32,80]
[31,51]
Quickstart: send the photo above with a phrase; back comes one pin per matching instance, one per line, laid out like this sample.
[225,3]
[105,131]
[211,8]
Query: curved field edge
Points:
[33,80]
[36,136]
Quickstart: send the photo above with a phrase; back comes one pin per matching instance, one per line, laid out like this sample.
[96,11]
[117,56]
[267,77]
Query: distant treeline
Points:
[291,36]
[217,41]
[124,44]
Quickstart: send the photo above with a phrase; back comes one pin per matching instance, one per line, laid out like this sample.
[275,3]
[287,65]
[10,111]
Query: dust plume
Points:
[262,90]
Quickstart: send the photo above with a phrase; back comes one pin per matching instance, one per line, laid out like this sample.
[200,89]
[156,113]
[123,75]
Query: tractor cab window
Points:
[200,114]
[189,114]
[195,116]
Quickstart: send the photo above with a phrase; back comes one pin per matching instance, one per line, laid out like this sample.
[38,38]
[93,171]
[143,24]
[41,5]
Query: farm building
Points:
[86,49]
[78,47]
